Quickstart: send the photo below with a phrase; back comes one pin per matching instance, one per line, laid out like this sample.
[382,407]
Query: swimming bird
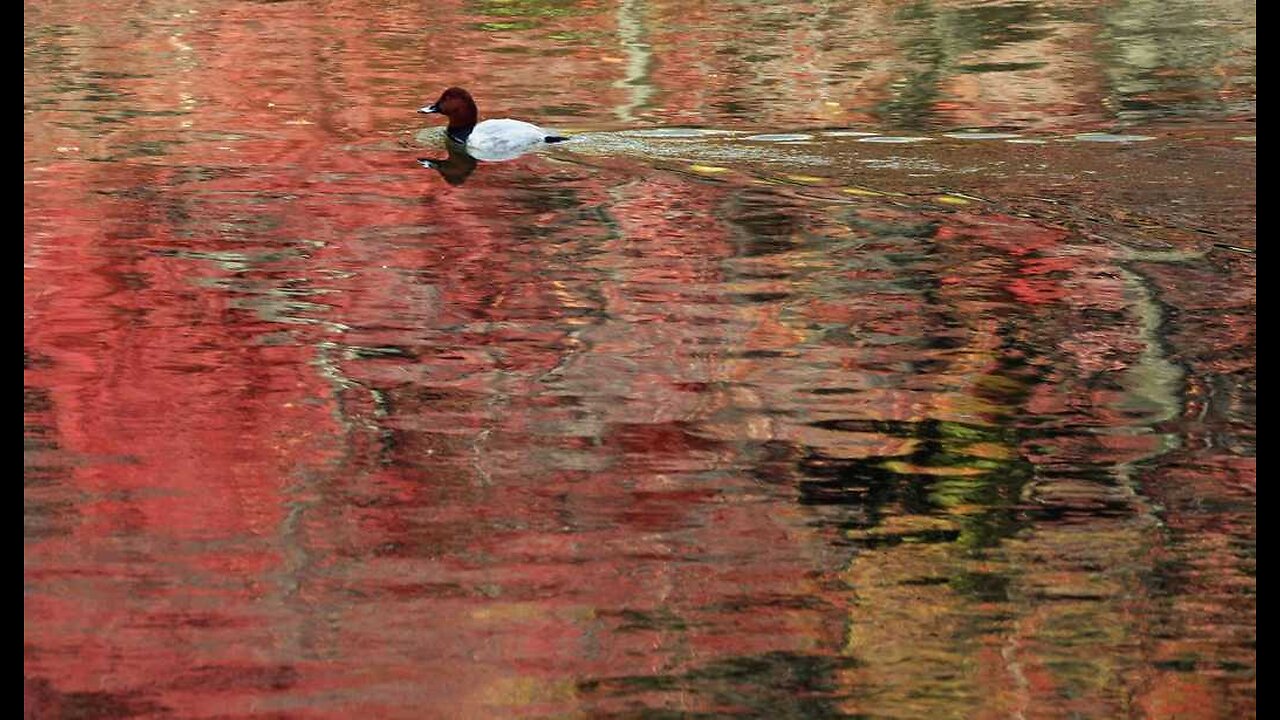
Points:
[489,140]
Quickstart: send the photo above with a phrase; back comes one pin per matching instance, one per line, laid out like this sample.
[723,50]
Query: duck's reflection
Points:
[455,169]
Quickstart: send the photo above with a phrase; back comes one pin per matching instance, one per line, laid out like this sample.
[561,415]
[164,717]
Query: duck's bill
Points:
[428,109]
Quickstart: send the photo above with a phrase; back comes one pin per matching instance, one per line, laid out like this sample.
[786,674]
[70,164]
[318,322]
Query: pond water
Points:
[888,360]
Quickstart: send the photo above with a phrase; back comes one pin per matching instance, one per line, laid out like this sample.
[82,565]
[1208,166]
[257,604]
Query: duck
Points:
[489,140]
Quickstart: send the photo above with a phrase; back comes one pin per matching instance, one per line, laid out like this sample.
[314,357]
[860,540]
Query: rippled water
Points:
[871,360]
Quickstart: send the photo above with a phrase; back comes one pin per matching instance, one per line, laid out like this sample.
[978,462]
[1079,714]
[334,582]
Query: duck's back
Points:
[502,136]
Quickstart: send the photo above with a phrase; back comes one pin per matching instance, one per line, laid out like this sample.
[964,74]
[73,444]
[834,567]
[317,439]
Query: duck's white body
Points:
[504,139]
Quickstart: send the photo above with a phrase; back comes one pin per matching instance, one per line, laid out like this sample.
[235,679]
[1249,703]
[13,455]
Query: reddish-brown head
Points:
[457,105]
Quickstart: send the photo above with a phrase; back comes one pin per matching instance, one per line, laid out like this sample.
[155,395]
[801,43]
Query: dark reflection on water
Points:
[687,422]
[455,167]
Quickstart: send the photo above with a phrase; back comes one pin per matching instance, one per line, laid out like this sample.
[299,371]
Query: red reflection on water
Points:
[309,432]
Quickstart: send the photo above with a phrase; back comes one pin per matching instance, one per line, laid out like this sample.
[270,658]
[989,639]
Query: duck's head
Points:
[455,104]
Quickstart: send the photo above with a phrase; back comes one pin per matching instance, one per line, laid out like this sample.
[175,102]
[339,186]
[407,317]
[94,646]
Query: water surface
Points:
[887,360]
